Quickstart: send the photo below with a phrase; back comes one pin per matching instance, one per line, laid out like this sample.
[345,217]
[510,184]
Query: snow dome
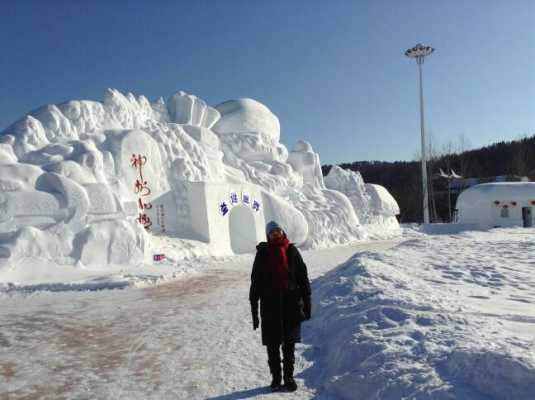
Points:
[247,116]
[98,182]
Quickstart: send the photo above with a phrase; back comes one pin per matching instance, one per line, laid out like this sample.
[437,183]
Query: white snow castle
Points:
[92,183]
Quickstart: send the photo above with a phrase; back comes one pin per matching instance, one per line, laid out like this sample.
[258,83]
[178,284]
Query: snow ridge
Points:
[414,322]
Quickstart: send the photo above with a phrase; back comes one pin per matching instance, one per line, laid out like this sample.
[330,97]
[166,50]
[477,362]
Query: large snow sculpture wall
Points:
[69,179]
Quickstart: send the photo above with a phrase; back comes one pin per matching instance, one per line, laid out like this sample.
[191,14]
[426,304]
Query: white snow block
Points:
[7,156]
[331,217]
[126,112]
[232,217]
[28,134]
[130,144]
[73,194]
[204,136]
[55,123]
[352,185]
[72,170]
[102,201]
[85,116]
[252,147]
[18,176]
[20,203]
[375,207]
[39,209]
[30,241]
[247,115]
[165,214]
[186,109]
[111,242]
[306,162]
[160,110]
[382,202]
[225,216]
[210,117]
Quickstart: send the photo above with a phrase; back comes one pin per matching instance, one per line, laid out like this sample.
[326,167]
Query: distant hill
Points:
[509,160]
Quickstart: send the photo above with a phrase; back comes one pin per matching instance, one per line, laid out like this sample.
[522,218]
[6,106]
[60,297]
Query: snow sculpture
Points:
[249,130]
[71,178]
[373,204]
[352,185]
[186,109]
[305,161]
[232,217]
[248,116]
[382,202]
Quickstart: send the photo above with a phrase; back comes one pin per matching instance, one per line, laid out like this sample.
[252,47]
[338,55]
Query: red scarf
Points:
[278,262]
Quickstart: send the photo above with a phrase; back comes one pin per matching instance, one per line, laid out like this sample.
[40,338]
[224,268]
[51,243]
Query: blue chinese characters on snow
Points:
[223,208]
[235,199]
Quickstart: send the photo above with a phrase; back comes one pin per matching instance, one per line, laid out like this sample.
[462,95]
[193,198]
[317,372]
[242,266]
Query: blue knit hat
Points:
[271,226]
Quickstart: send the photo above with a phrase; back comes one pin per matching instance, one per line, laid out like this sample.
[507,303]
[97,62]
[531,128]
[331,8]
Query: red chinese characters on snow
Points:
[142,189]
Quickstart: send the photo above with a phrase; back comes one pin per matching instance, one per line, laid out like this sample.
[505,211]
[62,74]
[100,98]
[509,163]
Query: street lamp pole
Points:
[419,52]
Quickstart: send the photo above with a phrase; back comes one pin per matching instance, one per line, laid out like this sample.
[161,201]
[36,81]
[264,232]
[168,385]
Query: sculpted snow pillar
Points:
[305,161]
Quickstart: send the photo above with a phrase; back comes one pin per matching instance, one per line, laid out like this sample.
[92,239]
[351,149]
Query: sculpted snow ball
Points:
[247,115]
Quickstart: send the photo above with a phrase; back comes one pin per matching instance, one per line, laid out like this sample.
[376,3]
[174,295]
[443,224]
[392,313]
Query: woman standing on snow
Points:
[280,281]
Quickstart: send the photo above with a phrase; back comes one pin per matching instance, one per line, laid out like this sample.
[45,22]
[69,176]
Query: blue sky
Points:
[333,72]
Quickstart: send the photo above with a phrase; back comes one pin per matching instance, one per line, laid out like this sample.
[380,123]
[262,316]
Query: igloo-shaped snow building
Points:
[497,204]
[90,182]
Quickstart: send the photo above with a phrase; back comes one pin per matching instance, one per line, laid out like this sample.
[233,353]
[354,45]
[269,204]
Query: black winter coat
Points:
[281,311]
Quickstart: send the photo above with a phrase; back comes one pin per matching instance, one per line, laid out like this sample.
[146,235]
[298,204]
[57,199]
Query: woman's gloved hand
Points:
[256,322]
[307,307]
[254,312]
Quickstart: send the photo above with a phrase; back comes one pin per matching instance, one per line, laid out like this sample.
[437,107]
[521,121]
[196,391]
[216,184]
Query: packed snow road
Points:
[188,339]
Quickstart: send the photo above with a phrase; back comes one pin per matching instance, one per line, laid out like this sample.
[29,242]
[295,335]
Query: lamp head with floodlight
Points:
[419,52]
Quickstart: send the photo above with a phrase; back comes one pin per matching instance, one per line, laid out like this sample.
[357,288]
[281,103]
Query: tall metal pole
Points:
[418,52]
[449,200]
[419,61]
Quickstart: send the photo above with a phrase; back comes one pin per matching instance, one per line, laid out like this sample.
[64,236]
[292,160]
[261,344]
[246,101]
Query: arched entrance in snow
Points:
[242,230]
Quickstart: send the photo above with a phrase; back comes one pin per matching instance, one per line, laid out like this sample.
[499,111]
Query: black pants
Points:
[274,358]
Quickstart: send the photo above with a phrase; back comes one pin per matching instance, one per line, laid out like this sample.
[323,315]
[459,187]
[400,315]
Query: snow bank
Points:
[438,317]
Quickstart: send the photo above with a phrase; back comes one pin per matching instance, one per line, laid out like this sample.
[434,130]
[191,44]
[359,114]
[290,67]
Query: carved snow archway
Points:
[242,230]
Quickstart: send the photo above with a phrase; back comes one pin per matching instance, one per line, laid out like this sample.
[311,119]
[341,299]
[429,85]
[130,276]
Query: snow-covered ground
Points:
[437,317]
[191,338]
[423,317]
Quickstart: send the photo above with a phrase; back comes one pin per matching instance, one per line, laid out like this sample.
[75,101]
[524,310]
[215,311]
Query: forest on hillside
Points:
[509,160]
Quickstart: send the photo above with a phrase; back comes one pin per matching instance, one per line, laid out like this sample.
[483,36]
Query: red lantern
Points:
[505,206]
[497,202]
[533,202]
[513,203]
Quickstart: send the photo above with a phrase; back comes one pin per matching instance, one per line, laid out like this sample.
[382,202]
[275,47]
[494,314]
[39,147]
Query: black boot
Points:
[274,362]
[276,378]
[289,381]
[288,365]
